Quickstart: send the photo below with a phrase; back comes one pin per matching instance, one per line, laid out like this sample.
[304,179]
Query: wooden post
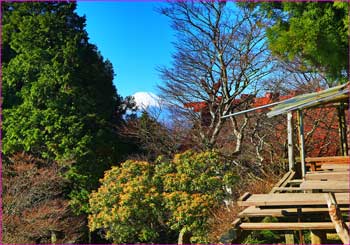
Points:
[290,140]
[318,237]
[53,237]
[289,238]
[342,130]
[301,142]
[301,235]
[334,213]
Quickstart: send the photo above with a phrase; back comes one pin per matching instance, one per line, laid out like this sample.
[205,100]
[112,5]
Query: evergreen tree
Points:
[315,32]
[59,100]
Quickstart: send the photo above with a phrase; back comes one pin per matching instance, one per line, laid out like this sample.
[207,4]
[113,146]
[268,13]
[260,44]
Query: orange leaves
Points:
[193,185]
[126,204]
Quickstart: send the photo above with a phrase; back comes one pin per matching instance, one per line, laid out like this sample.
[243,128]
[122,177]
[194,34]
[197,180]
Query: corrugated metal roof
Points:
[331,95]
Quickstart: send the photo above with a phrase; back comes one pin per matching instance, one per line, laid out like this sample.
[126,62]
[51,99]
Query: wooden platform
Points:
[304,200]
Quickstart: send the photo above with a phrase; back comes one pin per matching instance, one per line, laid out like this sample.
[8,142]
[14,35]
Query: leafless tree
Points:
[35,209]
[220,55]
[151,136]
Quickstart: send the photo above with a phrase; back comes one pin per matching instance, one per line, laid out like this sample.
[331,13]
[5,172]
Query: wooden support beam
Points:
[301,141]
[283,181]
[334,212]
[342,129]
[333,159]
[288,226]
[290,140]
[289,238]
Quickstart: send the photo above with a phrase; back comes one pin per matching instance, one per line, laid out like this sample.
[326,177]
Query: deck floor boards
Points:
[326,186]
[292,199]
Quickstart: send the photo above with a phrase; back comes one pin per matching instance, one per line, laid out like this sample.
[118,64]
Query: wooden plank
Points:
[296,181]
[344,159]
[284,181]
[328,176]
[257,212]
[342,167]
[279,189]
[244,197]
[236,223]
[279,212]
[291,176]
[288,226]
[292,199]
[330,185]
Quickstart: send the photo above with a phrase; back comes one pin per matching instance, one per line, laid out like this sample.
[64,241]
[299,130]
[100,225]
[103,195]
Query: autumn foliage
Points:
[35,209]
[127,205]
[141,202]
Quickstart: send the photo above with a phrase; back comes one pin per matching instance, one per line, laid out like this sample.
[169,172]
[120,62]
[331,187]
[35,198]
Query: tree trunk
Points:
[184,236]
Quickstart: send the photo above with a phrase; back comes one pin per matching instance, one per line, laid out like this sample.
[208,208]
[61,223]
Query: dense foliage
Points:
[316,33]
[59,100]
[139,202]
[193,185]
[127,205]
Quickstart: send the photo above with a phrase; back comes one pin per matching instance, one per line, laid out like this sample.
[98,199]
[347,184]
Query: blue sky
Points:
[134,37]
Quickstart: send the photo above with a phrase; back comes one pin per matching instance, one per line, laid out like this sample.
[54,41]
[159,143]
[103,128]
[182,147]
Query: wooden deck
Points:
[302,204]
[298,204]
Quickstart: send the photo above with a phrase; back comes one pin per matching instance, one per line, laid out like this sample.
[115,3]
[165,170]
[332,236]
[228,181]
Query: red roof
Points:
[325,132]
[267,99]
